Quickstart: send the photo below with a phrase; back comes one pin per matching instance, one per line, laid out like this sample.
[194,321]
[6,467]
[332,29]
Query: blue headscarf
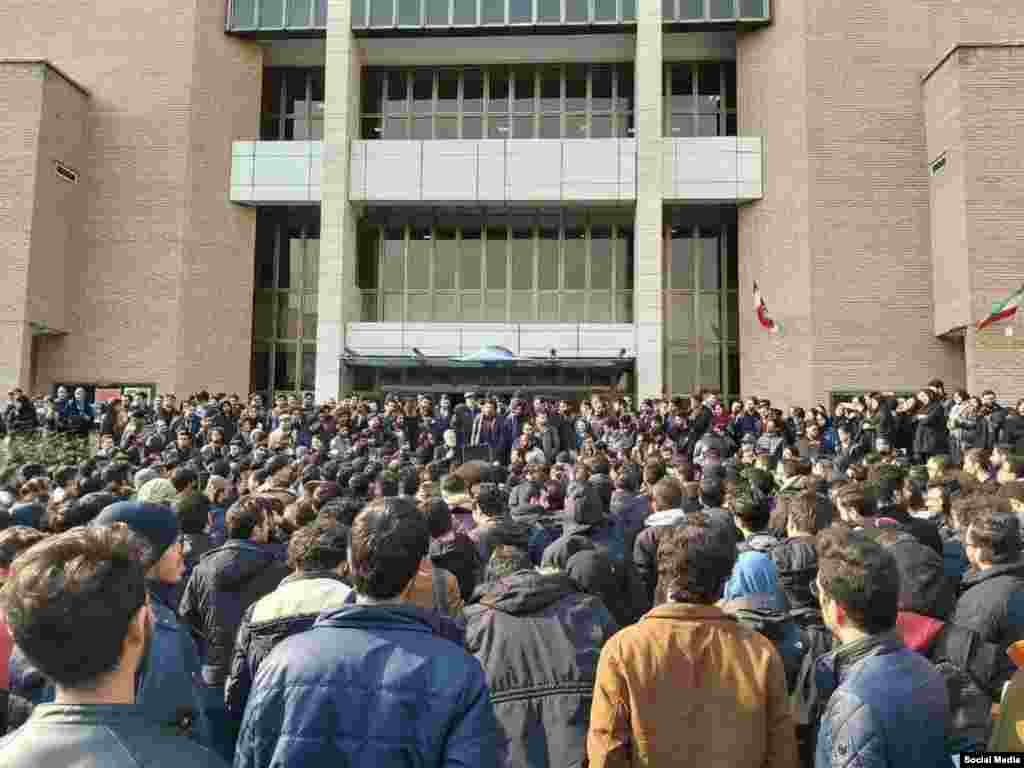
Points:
[754,573]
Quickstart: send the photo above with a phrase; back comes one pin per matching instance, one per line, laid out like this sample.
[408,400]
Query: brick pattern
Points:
[162,265]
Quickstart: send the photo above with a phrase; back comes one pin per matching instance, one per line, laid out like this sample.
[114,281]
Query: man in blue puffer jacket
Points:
[886,705]
[372,683]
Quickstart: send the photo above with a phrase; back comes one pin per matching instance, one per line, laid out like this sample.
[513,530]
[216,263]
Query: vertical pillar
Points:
[338,300]
[649,296]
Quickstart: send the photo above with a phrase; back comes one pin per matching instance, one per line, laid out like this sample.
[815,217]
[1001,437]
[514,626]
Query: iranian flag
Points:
[1004,310]
[761,309]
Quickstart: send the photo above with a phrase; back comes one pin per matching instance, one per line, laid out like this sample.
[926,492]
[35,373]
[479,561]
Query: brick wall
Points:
[157,174]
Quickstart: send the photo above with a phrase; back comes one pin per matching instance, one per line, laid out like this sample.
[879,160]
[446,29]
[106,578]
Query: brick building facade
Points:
[361,194]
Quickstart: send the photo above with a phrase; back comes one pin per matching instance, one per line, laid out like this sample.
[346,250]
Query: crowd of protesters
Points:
[515,582]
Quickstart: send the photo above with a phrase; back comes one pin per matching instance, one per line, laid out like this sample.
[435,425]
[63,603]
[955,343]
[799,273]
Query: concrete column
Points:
[649,297]
[338,301]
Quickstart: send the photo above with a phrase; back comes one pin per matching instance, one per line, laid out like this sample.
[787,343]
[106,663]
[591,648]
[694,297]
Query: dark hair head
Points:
[388,540]
[193,513]
[438,516]
[15,540]
[320,546]
[629,480]
[753,513]
[694,560]
[70,600]
[996,536]
[118,472]
[861,576]
[490,500]
[803,512]
[182,477]
[246,515]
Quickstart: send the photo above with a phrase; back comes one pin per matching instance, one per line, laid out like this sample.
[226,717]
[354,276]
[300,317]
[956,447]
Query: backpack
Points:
[806,701]
[777,627]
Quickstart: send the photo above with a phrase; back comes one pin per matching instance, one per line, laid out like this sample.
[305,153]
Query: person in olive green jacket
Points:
[1008,734]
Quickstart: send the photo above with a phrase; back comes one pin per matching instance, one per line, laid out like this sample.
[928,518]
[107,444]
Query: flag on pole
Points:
[761,309]
[1003,310]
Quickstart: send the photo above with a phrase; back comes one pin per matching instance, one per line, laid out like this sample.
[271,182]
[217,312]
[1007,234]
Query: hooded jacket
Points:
[456,553]
[539,639]
[369,685]
[796,562]
[225,583]
[992,603]
[645,548]
[585,523]
[504,531]
[887,707]
[288,610]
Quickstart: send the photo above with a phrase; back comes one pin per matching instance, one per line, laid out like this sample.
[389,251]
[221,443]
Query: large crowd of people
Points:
[516,582]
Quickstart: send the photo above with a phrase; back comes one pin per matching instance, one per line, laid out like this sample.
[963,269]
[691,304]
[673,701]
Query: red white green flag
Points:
[761,309]
[1003,310]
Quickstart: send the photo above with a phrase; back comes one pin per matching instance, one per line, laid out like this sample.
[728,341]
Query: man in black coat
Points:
[538,639]
[992,591]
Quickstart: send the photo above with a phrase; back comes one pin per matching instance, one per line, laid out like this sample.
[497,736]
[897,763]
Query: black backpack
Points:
[815,642]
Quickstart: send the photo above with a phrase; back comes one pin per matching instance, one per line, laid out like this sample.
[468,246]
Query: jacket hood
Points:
[665,517]
[754,573]
[511,532]
[761,542]
[386,615]
[918,632]
[974,576]
[525,592]
[925,587]
[236,563]
[796,561]
[583,504]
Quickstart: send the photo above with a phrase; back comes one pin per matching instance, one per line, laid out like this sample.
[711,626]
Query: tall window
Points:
[499,102]
[520,267]
[702,313]
[293,104]
[277,14]
[285,301]
[700,98]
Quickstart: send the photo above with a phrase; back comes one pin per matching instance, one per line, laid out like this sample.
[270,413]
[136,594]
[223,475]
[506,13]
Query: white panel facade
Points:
[276,172]
[449,170]
[723,168]
[393,171]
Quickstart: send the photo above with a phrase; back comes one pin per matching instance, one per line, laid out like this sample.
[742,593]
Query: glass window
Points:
[422,91]
[369,312]
[472,128]
[471,260]
[243,13]
[522,260]
[498,90]
[550,127]
[601,127]
[422,128]
[710,317]
[575,257]
[601,258]
[524,85]
[472,90]
[624,91]
[308,367]
[309,315]
[549,11]
[298,13]
[601,89]
[492,11]
[550,89]
[573,307]
[446,307]
[498,127]
[495,309]
[730,86]
[271,13]
[683,373]
[753,9]
[680,316]
[520,11]
[497,255]
[394,308]
[599,307]
[710,266]
[358,14]
[320,13]
[628,10]
[418,267]
[446,259]
[682,88]
[392,271]
[709,86]
[547,304]
[263,314]
[681,267]
[373,92]
[624,307]
[261,366]
[472,307]
[524,127]
[368,250]
[408,13]
[287,315]
[547,266]
[311,270]
[419,309]
[465,12]
[691,9]
[604,10]
[382,13]
[395,128]
[711,368]
[266,233]
[437,12]
[668,9]
[733,381]
[397,90]
[624,259]
[575,88]
[576,11]
[575,126]
[723,9]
